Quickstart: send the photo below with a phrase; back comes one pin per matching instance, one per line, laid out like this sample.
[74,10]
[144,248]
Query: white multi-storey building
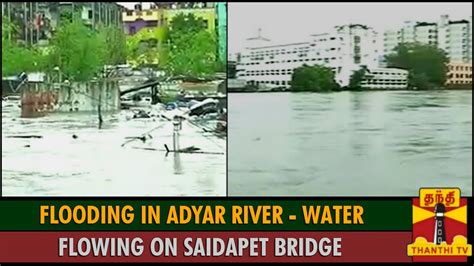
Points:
[454,37]
[385,78]
[346,49]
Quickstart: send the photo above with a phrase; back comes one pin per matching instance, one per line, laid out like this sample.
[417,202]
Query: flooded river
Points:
[95,163]
[349,143]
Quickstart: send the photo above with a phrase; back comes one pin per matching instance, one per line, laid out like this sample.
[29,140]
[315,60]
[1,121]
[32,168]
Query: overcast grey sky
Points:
[288,22]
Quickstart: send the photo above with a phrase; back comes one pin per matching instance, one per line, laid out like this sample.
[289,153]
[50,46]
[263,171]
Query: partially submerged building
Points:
[36,22]
[345,49]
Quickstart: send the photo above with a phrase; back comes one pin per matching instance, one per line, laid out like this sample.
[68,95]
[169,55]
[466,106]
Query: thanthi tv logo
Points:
[439,226]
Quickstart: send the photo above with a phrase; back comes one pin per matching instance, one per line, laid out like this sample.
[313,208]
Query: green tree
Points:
[427,64]
[193,54]
[356,78]
[184,24]
[313,78]
[17,58]
[78,51]
[192,50]
[116,52]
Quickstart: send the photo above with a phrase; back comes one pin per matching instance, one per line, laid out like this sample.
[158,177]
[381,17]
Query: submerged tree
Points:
[313,78]
[427,64]
[356,78]
[78,51]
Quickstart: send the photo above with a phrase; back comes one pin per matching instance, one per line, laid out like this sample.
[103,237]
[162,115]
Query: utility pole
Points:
[9,11]
[99,106]
[99,111]
[25,23]
[92,5]
[32,19]
[40,21]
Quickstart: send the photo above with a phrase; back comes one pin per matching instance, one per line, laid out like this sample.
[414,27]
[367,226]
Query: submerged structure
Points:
[345,49]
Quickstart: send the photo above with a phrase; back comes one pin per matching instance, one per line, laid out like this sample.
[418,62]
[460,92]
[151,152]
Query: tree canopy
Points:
[184,47]
[313,78]
[116,52]
[427,64]
[356,78]
[193,54]
[17,58]
[79,52]
[184,24]
[193,48]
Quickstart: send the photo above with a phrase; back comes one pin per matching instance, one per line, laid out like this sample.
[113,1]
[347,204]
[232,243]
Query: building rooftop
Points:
[259,37]
[351,26]
[463,21]
[421,24]
[319,34]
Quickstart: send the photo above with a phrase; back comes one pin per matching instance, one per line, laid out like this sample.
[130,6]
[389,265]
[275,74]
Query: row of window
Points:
[296,49]
[287,83]
[279,51]
[389,73]
[461,82]
[139,13]
[301,53]
[367,82]
[249,74]
[274,82]
[301,50]
[385,81]
[460,76]
[466,68]
[272,72]
[449,38]
[272,54]
[330,39]
[326,60]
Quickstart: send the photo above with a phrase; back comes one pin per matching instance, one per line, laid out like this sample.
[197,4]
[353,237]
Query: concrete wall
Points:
[39,98]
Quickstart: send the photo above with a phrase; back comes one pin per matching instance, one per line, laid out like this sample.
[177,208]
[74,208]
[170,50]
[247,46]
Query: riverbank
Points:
[375,90]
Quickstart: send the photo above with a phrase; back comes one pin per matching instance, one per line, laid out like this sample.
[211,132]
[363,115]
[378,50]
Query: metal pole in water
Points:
[176,129]
[99,108]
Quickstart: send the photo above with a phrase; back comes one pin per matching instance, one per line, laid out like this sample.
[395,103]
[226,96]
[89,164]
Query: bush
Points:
[427,64]
[313,78]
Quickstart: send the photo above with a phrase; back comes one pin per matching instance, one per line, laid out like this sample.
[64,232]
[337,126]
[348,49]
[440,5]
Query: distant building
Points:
[36,22]
[135,20]
[162,13]
[345,49]
[454,37]
[385,78]
[459,74]
[231,69]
